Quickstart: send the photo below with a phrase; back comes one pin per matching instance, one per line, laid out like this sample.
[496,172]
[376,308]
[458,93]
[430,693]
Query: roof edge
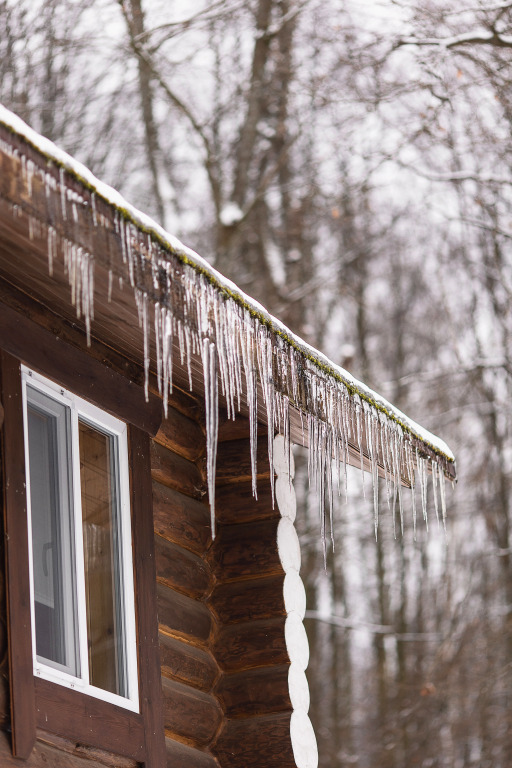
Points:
[223,285]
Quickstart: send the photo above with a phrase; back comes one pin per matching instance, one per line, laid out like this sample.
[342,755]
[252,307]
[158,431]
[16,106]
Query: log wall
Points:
[221,611]
[221,614]
[249,614]
[192,712]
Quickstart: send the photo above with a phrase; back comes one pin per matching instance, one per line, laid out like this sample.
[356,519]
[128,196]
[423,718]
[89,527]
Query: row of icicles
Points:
[249,361]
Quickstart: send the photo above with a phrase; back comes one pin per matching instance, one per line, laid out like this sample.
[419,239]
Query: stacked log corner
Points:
[220,603]
[249,614]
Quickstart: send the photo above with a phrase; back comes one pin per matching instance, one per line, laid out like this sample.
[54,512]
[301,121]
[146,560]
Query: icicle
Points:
[30,175]
[231,354]
[125,234]
[294,376]
[158,346]
[443,498]
[27,172]
[422,476]
[209,358]
[384,450]
[121,230]
[337,456]
[358,415]
[311,436]
[189,355]
[88,293]
[150,256]
[156,267]
[395,468]
[412,480]
[400,463]
[369,424]
[343,436]
[320,484]
[69,269]
[302,427]
[79,267]
[328,477]
[287,434]
[264,357]
[181,342]
[47,185]
[62,193]
[221,335]
[251,385]
[52,248]
[141,300]
[130,255]
[434,489]
[166,352]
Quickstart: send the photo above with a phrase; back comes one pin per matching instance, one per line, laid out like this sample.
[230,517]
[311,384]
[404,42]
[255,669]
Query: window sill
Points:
[42,672]
[76,716]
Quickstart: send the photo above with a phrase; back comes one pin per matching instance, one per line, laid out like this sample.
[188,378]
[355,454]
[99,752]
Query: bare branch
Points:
[148,61]
[492,38]
[275,29]
[455,176]
[375,629]
[210,162]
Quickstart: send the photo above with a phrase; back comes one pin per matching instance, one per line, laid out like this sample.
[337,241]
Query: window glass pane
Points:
[102,553]
[52,531]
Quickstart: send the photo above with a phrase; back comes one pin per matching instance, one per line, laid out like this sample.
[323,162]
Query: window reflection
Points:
[100,519]
[52,532]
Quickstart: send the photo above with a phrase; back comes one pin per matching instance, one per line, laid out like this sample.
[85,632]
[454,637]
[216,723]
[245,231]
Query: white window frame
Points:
[91,414]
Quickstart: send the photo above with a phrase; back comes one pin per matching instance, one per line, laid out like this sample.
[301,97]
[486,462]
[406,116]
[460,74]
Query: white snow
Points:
[294,594]
[230,215]
[305,751]
[302,735]
[298,688]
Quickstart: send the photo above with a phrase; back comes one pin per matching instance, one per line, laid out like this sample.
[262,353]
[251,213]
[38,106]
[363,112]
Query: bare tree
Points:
[350,166]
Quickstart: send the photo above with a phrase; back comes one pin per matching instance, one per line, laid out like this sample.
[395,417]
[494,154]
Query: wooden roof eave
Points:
[42,233]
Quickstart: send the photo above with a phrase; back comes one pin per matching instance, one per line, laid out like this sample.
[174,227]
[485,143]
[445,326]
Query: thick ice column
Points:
[302,735]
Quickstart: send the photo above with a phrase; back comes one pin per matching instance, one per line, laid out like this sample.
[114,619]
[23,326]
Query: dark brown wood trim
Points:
[23,720]
[67,713]
[82,755]
[88,720]
[79,372]
[150,686]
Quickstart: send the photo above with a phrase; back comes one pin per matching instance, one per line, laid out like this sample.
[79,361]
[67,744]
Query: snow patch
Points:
[230,215]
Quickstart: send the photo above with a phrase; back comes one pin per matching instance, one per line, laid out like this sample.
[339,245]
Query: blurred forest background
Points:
[349,164]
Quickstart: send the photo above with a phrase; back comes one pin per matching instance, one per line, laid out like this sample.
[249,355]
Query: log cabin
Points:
[151,603]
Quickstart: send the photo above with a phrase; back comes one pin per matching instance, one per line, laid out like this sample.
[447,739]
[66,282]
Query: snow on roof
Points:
[371,418]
